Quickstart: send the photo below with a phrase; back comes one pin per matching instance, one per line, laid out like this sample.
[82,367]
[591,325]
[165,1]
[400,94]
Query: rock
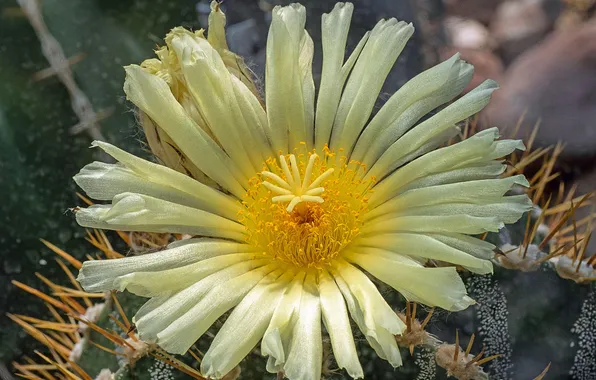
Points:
[466,33]
[480,10]
[473,41]
[556,83]
[518,25]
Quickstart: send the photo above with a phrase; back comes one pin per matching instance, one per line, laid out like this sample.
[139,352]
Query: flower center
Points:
[293,189]
[303,213]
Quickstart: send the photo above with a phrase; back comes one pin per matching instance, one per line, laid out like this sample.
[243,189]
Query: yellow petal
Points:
[413,143]
[163,310]
[468,244]
[334,34]
[369,310]
[217,23]
[276,339]
[422,245]
[386,41]
[476,192]
[167,152]
[335,316]
[178,336]
[493,169]
[203,67]
[137,212]
[438,224]
[463,160]
[99,275]
[412,101]
[430,286]
[306,348]
[134,175]
[507,209]
[289,89]
[217,38]
[154,97]
[245,326]
[155,283]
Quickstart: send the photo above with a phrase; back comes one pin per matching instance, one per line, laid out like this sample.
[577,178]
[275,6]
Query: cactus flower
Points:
[296,200]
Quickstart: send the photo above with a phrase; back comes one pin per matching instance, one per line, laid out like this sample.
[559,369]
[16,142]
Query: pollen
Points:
[303,209]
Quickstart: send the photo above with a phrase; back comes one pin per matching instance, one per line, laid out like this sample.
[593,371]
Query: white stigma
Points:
[295,190]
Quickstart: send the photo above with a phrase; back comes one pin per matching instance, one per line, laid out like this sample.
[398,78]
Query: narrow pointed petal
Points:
[137,212]
[334,30]
[422,245]
[430,286]
[159,313]
[469,244]
[152,284]
[276,340]
[244,327]
[180,334]
[410,103]
[149,306]
[428,131]
[217,38]
[438,224]
[134,175]
[202,68]
[306,348]
[99,275]
[154,97]
[289,89]
[386,41]
[167,152]
[469,154]
[508,209]
[307,49]
[369,310]
[474,192]
[335,316]
[471,173]
[217,31]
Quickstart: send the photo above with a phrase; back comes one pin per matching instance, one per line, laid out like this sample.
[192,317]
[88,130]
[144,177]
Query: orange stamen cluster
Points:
[309,233]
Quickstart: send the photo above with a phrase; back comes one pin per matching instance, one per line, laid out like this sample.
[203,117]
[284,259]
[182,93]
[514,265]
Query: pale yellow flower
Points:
[298,197]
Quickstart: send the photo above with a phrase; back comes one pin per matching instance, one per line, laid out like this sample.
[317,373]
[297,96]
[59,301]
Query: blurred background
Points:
[61,82]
